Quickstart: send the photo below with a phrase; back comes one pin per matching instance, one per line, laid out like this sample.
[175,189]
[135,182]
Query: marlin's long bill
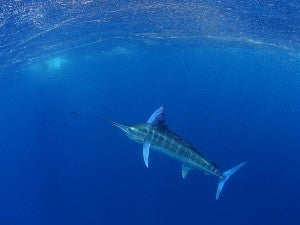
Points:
[156,135]
[123,127]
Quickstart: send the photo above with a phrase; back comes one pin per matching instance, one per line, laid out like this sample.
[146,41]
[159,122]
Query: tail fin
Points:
[226,176]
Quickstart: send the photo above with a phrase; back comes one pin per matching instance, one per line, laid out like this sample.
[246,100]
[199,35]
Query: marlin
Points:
[156,135]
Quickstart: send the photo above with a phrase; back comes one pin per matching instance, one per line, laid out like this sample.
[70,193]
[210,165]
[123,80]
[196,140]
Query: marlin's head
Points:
[133,132]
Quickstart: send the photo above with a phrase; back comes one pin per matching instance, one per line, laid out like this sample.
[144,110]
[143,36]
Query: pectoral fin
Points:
[146,148]
[185,170]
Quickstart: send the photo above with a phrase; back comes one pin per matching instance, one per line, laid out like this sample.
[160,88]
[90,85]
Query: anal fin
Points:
[185,170]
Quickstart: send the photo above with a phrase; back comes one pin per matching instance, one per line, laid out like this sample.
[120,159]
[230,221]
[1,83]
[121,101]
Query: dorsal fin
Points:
[214,165]
[158,117]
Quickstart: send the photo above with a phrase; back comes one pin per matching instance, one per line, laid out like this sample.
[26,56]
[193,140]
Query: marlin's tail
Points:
[226,176]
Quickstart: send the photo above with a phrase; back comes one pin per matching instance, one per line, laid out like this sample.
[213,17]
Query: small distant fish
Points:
[74,113]
[156,135]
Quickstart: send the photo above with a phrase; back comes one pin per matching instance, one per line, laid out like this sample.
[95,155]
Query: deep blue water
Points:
[234,99]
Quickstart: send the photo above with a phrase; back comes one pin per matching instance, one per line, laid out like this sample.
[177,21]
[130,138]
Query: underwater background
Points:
[227,72]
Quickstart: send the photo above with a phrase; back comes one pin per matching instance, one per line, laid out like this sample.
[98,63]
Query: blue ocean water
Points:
[228,74]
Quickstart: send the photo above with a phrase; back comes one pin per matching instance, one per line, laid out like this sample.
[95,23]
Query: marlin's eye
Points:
[131,129]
